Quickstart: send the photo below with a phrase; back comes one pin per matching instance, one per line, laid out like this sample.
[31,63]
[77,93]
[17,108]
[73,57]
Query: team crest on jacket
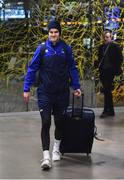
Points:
[62,51]
[46,50]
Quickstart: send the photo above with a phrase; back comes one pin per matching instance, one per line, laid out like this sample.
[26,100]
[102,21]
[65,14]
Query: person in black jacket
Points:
[109,64]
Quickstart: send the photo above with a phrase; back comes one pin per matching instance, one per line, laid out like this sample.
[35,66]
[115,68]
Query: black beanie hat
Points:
[54,24]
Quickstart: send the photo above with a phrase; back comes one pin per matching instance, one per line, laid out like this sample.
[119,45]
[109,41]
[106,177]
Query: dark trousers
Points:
[106,78]
[55,105]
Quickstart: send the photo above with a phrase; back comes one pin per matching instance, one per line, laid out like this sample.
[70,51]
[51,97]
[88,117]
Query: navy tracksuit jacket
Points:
[57,72]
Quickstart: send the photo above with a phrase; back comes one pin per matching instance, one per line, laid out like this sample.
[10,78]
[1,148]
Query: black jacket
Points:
[113,58]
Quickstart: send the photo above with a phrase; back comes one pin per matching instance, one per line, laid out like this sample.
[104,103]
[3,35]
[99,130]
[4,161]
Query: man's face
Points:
[54,35]
[107,37]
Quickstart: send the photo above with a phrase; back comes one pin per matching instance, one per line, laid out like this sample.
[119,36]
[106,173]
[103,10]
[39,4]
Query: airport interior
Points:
[24,25]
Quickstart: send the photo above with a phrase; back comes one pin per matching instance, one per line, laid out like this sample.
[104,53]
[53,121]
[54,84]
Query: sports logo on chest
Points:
[63,51]
[46,51]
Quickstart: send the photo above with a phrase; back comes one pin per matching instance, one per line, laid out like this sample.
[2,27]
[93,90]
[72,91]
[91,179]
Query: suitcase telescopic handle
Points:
[73,104]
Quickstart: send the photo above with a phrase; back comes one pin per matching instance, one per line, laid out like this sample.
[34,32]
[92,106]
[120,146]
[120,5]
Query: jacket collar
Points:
[51,43]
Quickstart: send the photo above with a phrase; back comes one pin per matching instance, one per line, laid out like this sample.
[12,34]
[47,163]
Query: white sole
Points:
[45,166]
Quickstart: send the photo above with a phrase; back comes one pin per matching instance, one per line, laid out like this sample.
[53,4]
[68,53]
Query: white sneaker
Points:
[46,164]
[56,156]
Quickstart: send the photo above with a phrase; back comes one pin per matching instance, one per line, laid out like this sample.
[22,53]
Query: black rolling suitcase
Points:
[78,130]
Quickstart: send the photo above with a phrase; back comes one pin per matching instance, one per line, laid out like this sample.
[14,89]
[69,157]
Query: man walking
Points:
[110,60]
[57,72]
